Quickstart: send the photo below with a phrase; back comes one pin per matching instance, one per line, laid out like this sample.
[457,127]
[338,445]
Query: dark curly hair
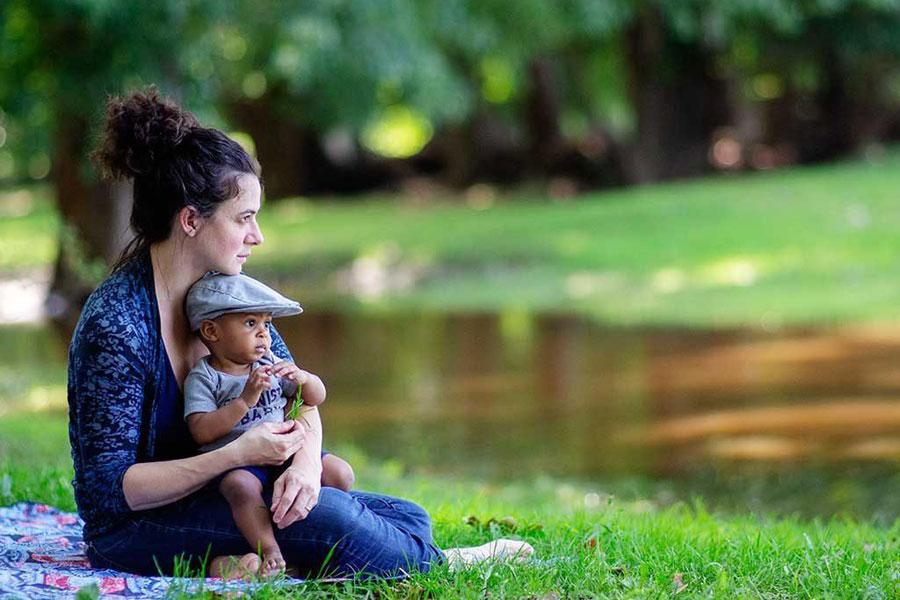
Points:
[173,160]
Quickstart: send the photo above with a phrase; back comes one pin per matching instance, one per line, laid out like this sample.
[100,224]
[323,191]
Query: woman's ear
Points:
[189,220]
[209,331]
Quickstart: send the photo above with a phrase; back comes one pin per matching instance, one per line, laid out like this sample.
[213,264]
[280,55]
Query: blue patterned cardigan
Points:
[117,367]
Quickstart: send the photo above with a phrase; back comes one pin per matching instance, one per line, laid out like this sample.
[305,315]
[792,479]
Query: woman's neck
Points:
[173,271]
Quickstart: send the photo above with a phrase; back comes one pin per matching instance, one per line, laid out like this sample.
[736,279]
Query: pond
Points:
[795,420]
[801,420]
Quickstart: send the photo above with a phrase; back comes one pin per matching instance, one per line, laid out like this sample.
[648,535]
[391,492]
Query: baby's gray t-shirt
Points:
[206,389]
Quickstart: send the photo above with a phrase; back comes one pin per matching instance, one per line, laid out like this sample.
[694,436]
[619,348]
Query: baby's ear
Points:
[209,331]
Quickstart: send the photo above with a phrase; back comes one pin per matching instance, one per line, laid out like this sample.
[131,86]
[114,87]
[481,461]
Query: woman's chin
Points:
[230,269]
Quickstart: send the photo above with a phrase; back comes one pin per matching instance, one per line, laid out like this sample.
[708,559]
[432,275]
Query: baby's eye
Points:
[268,324]
[250,322]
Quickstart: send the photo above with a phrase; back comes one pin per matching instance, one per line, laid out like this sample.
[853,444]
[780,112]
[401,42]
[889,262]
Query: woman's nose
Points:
[255,237]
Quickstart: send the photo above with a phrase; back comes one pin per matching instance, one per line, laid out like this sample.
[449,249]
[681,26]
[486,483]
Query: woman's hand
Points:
[296,493]
[270,443]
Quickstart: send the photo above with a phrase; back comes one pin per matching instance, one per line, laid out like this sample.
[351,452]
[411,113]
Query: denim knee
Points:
[412,517]
[380,539]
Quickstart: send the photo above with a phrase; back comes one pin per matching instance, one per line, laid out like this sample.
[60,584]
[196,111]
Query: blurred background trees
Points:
[339,96]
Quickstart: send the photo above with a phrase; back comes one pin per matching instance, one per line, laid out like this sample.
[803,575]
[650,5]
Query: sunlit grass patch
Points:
[802,245]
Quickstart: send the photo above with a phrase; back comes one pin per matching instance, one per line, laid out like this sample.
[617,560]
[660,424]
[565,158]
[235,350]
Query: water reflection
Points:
[562,396]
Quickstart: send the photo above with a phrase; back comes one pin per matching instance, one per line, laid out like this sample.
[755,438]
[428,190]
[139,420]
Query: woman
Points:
[139,485]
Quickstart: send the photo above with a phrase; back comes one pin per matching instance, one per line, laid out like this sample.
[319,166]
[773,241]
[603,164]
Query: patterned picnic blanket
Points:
[42,556]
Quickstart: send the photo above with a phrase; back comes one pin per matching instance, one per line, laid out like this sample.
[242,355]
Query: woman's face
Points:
[227,237]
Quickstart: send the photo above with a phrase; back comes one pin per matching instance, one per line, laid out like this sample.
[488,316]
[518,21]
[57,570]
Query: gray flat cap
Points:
[216,294]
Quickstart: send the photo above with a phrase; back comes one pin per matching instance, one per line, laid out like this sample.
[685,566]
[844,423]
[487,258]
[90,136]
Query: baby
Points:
[241,384]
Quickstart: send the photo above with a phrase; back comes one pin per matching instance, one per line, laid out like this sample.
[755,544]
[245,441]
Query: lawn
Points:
[798,246]
[588,543]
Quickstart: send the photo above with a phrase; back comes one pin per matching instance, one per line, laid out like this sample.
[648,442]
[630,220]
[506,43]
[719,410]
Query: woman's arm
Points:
[151,484]
[108,360]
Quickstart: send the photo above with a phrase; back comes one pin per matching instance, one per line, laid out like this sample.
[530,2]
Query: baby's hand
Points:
[313,393]
[259,381]
[290,371]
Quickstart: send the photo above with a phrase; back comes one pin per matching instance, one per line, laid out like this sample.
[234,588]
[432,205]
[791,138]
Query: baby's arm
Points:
[312,390]
[207,423]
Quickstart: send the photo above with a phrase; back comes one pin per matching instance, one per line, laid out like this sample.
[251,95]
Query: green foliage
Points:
[342,63]
[338,61]
[60,60]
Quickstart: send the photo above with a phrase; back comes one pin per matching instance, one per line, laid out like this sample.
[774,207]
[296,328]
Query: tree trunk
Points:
[94,223]
[280,147]
[679,103]
[542,109]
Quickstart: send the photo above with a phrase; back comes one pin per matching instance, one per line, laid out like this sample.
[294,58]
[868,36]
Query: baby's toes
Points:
[273,565]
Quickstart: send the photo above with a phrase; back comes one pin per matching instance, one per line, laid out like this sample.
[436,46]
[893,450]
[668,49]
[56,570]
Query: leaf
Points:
[295,406]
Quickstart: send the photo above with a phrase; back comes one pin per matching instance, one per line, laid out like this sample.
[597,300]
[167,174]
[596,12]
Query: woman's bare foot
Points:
[235,567]
[459,558]
[272,562]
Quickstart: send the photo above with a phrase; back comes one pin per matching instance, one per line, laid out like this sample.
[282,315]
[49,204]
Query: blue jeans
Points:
[345,533]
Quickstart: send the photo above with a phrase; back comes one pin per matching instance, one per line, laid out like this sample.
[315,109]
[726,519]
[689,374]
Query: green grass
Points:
[807,245]
[588,544]
[803,245]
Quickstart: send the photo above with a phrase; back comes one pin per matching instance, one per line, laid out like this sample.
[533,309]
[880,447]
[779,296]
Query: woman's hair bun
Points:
[143,129]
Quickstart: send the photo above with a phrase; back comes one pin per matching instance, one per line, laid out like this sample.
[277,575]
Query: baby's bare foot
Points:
[272,562]
[235,567]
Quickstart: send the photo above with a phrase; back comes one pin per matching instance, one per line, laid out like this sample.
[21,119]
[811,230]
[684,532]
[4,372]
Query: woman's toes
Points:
[459,558]
[512,549]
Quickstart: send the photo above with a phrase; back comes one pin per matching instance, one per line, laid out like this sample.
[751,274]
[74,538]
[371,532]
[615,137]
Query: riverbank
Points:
[809,245]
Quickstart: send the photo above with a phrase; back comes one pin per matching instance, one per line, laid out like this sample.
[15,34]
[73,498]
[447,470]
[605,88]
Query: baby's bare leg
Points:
[244,494]
[337,473]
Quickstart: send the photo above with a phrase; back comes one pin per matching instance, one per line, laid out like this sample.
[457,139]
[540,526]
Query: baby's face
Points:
[243,337]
